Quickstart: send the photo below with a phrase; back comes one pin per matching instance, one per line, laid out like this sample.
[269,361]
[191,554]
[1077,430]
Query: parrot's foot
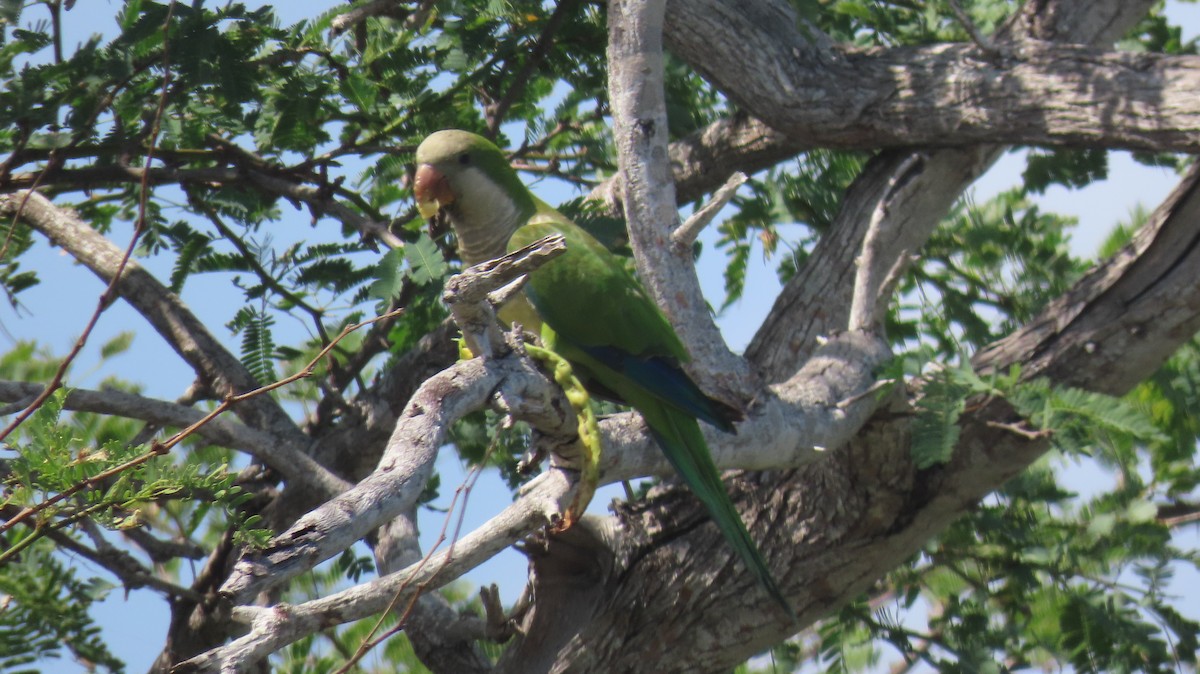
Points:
[584,454]
[464,352]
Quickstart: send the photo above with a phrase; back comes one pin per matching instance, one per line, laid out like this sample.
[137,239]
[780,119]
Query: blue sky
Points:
[59,307]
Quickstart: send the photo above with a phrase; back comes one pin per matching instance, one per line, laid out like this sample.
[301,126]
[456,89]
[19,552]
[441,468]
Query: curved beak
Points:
[432,190]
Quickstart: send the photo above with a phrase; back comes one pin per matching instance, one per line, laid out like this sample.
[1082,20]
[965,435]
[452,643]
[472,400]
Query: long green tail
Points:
[683,444]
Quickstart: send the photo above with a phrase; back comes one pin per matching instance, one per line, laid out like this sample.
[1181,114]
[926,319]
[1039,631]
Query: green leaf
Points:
[935,427]
[1141,511]
[359,90]
[189,253]
[389,277]
[455,60]
[116,345]
[425,261]
[1065,166]
[258,345]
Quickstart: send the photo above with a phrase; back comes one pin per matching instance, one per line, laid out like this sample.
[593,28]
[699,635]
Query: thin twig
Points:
[968,25]
[266,277]
[882,383]
[685,235]
[877,263]
[1022,430]
[1179,520]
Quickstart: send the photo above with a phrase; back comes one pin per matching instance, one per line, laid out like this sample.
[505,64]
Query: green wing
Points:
[589,297]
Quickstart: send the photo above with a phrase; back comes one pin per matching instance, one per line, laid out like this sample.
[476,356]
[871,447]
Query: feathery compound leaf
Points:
[1104,411]
[935,427]
[425,261]
[1078,417]
[258,346]
[735,273]
[337,273]
[388,278]
[189,253]
[46,611]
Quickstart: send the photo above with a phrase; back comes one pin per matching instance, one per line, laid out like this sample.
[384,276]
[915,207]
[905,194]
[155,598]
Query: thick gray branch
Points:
[887,248]
[701,162]
[789,426]
[1101,335]
[272,628]
[950,94]
[443,640]
[640,128]
[402,473]
[817,300]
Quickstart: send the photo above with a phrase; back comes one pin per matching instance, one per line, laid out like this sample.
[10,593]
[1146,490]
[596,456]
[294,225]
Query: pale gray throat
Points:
[484,222]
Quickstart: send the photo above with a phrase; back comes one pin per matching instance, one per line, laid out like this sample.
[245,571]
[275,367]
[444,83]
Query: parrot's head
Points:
[455,166]
[468,181]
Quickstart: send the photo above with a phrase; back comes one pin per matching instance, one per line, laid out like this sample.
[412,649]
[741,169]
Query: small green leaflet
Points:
[358,89]
[425,261]
[420,261]
[117,345]
[258,346]
[388,276]
[935,427]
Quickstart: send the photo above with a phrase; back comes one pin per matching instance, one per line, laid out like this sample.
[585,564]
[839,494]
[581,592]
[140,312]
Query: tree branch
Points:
[1099,335]
[1047,94]
[886,249]
[823,406]
[515,86]
[467,293]
[319,199]
[506,377]
[686,234]
[161,308]
[640,128]
[701,161]
[817,299]
[442,639]
[272,628]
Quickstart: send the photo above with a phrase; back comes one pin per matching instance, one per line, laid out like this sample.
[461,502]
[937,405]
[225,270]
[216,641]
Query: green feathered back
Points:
[589,297]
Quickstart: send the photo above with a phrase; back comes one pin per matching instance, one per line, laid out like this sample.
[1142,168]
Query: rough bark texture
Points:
[1034,93]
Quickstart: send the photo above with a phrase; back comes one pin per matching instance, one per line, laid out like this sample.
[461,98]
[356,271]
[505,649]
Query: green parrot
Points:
[600,319]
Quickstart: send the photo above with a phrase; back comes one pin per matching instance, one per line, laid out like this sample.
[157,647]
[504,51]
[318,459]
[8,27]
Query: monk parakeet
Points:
[601,320]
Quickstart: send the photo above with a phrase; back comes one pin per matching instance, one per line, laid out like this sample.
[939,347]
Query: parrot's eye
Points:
[464,158]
